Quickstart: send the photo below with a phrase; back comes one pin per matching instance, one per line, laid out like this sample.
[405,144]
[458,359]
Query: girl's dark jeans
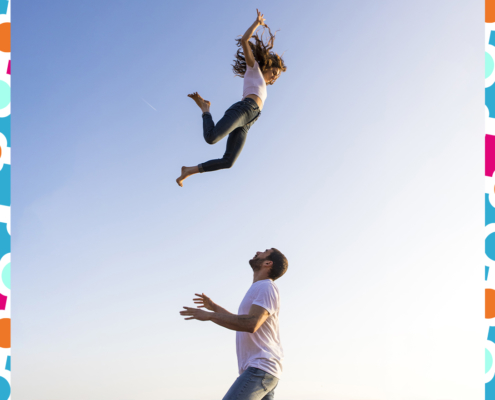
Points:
[235,123]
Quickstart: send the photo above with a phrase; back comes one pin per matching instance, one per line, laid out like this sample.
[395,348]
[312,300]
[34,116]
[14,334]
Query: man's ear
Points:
[268,263]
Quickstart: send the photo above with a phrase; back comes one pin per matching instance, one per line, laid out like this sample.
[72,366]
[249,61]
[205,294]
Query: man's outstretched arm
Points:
[242,323]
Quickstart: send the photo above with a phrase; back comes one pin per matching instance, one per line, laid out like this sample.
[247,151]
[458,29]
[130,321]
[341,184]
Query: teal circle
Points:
[4,388]
[4,94]
[489,65]
[488,360]
[6,276]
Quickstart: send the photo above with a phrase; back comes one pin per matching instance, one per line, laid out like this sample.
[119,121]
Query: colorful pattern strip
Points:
[5,390]
[490,198]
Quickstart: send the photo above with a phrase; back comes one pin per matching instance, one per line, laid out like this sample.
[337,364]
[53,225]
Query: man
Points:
[259,352]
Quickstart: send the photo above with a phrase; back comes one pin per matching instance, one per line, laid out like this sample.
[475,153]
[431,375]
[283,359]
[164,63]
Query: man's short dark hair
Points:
[280,264]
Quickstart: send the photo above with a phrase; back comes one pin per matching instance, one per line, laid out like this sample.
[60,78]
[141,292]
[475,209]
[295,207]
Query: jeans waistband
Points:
[250,100]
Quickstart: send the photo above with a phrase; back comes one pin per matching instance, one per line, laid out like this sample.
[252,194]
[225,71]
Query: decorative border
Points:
[5,296]
[5,199]
[490,198]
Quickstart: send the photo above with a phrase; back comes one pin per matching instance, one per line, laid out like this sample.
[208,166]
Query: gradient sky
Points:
[365,169]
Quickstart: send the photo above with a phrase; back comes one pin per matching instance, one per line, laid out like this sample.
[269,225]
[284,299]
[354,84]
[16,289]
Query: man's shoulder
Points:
[268,284]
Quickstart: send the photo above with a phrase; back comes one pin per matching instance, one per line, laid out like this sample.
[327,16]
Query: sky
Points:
[365,169]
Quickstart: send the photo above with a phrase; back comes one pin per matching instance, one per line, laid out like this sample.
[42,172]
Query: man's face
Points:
[257,261]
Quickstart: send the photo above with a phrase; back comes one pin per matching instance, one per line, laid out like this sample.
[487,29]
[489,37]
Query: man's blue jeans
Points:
[253,384]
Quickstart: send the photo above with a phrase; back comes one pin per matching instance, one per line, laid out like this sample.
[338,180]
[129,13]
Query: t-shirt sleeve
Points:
[255,66]
[267,298]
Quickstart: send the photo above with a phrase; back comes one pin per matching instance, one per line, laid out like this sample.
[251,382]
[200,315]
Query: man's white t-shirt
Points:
[261,349]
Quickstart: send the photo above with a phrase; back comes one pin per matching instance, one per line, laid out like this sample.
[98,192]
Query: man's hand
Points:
[194,313]
[204,302]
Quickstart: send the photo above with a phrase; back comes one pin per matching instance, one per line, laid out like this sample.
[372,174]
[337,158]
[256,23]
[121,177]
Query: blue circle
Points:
[490,246]
[4,388]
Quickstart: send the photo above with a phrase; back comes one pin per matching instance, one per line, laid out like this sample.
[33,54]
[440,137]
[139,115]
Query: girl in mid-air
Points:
[259,66]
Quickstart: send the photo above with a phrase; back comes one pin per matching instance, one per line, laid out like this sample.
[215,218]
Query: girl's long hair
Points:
[262,54]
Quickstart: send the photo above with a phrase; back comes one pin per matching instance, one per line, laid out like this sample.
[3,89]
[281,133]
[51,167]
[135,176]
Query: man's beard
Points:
[256,263]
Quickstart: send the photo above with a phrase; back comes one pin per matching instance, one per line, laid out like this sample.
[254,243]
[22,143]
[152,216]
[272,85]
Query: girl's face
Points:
[271,75]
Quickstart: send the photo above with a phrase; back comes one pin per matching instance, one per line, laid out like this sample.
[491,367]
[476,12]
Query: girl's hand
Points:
[204,301]
[259,19]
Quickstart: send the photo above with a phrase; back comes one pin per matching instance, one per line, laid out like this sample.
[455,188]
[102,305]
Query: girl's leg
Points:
[236,121]
[185,172]
[238,115]
[235,143]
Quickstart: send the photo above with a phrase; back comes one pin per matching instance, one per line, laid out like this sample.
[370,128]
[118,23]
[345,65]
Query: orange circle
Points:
[489,303]
[5,333]
[5,37]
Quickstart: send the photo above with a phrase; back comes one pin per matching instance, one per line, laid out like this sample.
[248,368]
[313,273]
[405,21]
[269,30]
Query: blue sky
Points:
[362,169]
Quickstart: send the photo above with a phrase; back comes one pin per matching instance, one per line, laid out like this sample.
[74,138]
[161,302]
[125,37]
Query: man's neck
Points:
[260,276]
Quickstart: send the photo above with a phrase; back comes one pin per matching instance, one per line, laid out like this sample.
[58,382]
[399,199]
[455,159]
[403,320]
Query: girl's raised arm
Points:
[248,54]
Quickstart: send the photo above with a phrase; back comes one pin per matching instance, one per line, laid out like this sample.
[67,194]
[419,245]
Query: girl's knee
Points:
[211,137]
[229,163]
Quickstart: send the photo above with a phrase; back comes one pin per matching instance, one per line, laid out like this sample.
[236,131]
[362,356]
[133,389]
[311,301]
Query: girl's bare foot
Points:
[202,103]
[185,172]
